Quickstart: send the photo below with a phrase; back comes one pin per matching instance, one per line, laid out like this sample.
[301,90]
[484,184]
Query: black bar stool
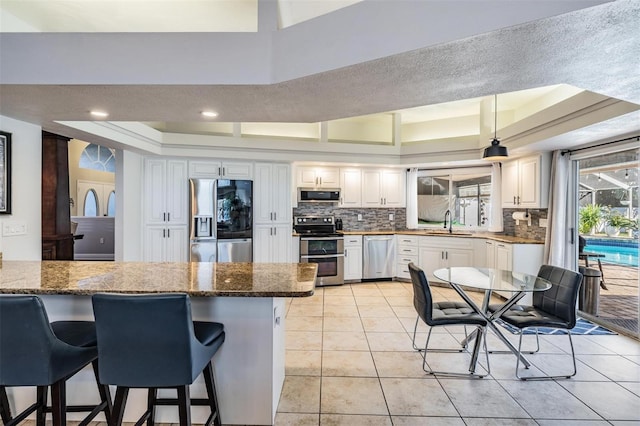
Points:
[34,352]
[150,341]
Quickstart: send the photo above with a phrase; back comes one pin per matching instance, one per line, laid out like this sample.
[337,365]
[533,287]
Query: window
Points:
[111,204]
[97,157]
[90,207]
[466,193]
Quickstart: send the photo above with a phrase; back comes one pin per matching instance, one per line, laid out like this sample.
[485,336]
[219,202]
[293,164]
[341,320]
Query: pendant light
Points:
[495,152]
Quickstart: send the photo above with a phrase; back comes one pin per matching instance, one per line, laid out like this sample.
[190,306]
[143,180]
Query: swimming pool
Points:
[619,255]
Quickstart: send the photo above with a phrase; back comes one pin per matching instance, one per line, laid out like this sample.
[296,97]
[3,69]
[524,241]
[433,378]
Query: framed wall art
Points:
[5,173]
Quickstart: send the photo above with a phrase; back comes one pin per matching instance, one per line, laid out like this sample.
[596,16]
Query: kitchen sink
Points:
[446,232]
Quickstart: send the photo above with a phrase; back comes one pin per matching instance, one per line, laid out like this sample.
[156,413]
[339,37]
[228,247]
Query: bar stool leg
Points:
[105,393]
[59,402]
[5,408]
[118,406]
[209,382]
[152,396]
[41,400]
[184,405]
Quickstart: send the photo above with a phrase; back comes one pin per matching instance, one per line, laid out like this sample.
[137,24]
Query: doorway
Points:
[608,204]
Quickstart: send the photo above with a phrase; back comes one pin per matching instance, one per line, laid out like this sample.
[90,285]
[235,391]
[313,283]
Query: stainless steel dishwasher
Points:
[379,256]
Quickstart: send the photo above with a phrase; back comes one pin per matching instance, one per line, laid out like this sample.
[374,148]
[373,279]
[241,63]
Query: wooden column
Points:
[57,240]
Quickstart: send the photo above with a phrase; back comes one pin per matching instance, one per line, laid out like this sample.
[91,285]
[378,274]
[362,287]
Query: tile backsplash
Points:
[377,219]
[523,230]
[373,219]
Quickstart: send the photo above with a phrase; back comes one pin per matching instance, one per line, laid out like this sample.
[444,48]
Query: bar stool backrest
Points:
[26,342]
[145,340]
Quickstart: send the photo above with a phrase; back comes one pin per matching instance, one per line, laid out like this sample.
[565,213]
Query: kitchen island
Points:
[248,298]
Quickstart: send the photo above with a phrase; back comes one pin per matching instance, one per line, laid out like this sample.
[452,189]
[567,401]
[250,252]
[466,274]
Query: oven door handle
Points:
[321,256]
[320,238]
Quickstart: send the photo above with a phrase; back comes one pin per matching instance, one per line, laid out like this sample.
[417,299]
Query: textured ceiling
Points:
[594,49]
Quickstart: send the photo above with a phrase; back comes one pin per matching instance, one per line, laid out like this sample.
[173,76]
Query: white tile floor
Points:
[350,362]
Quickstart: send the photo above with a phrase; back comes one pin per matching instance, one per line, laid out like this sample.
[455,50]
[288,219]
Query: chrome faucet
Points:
[448,213]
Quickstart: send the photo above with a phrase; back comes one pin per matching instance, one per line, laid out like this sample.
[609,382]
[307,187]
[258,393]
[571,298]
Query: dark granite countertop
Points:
[195,279]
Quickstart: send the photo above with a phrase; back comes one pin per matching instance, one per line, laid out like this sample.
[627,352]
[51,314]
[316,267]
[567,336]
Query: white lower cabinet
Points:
[353,257]
[166,244]
[444,252]
[407,252]
[272,243]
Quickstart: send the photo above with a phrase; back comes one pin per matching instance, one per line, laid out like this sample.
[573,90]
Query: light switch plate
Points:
[11,229]
[390,217]
[543,223]
[360,216]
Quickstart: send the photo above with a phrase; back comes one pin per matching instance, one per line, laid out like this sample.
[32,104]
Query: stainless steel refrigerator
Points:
[221,225]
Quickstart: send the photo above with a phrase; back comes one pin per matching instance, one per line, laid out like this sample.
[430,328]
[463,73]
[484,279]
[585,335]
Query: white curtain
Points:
[412,199]
[558,250]
[495,221]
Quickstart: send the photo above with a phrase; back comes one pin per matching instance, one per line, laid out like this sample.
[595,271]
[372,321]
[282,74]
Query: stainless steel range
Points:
[320,243]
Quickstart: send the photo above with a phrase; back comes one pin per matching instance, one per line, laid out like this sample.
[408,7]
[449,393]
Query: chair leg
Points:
[41,401]
[105,393]
[184,405]
[212,395]
[481,333]
[151,406]
[5,408]
[119,405]
[59,403]
[564,376]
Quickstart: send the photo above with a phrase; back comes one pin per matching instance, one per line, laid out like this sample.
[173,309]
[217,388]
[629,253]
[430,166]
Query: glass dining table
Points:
[489,280]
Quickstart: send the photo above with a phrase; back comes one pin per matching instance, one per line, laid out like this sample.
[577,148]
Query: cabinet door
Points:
[510,184]
[204,169]
[306,177]
[280,193]
[262,193]
[176,244]
[154,194]
[458,257]
[529,187]
[154,243]
[353,263]
[262,243]
[236,170]
[328,178]
[176,192]
[281,243]
[351,188]
[371,188]
[393,188]
[504,258]
[490,253]
[431,258]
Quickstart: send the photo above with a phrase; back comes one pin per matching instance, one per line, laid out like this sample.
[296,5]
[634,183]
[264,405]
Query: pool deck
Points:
[619,303]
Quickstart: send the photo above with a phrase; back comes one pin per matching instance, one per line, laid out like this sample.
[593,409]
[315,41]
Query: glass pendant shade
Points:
[495,152]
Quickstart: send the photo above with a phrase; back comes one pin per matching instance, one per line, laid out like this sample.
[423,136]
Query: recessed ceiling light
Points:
[99,114]
[209,114]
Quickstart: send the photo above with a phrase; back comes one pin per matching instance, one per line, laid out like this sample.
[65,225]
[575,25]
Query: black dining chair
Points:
[553,308]
[35,352]
[446,313]
[150,341]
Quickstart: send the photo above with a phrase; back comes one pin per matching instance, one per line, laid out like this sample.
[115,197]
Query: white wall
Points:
[128,234]
[26,189]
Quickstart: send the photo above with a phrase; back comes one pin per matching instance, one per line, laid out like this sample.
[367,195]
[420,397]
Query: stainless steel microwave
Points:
[316,195]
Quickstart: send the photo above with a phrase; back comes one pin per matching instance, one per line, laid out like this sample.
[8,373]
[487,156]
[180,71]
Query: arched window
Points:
[111,204]
[98,157]
[90,207]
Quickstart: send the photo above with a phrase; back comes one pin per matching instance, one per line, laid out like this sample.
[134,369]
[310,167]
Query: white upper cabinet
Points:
[317,177]
[351,188]
[525,182]
[220,169]
[383,188]
[271,193]
[165,191]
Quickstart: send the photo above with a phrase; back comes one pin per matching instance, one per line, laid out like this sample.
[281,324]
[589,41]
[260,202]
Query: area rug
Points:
[582,327]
